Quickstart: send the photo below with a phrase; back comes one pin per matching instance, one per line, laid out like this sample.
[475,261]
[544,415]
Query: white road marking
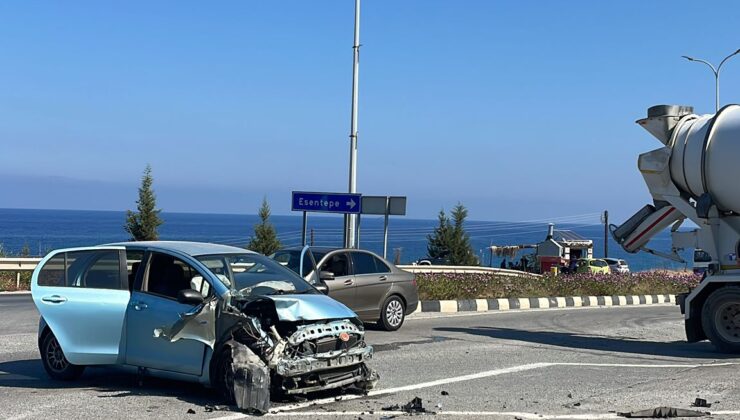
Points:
[486,374]
[474,414]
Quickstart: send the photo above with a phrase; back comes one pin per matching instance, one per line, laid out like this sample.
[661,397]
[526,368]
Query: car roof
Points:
[190,248]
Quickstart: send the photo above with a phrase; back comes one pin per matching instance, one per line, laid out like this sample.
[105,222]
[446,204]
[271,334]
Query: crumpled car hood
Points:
[309,308]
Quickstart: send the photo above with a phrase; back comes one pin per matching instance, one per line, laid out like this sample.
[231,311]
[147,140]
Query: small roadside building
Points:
[561,246]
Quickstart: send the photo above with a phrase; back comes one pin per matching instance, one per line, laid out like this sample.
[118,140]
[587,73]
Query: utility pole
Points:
[350,220]
[605,219]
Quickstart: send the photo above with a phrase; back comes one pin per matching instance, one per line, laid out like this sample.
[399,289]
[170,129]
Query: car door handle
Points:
[54,299]
[383,278]
[349,282]
[139,306]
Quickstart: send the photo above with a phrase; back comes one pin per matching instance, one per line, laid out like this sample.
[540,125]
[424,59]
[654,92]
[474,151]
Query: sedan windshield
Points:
[249,275]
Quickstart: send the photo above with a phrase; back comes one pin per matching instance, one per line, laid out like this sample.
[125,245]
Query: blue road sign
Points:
[327,202]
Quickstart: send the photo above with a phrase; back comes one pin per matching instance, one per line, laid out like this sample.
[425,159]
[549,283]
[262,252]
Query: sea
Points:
[45,230]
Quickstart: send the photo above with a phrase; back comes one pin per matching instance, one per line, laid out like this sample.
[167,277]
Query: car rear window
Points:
[599,263]
[365,263]
[87,269]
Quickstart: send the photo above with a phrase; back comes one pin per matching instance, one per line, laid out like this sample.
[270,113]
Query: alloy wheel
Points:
[55,356]
[394,313]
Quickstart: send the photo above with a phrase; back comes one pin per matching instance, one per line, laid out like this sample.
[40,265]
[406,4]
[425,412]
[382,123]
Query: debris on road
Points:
[701,402]
[663,413]
[191,411]
[445,393]
[211,408]
[415,406]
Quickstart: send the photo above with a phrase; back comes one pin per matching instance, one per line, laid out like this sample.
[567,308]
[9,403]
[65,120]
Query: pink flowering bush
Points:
[434,286]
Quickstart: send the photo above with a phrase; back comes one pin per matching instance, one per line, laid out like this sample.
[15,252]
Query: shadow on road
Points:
[110,382]
[703,350]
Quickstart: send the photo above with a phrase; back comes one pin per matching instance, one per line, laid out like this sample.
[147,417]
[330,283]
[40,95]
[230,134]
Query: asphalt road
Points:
[575,363]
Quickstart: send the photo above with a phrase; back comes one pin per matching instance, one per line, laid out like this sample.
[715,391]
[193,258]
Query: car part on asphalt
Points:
[662,413]
[701,402]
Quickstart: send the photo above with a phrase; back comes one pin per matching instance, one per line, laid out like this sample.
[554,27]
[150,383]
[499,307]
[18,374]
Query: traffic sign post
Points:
[324,202]
[385,205]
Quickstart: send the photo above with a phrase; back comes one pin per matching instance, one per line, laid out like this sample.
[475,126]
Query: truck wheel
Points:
[392,313]
[720,319]
[55,362]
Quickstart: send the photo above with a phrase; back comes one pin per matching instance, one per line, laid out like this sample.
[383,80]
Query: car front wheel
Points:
[55,362]
[392,313]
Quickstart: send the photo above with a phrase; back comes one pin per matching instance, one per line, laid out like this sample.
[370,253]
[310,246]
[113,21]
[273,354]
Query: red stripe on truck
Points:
[652,225]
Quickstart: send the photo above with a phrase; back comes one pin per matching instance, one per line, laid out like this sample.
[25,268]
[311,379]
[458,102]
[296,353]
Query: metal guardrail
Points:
[452,269]
[18,265]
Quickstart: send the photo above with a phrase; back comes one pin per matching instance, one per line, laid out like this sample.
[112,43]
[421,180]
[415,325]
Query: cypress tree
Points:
[461,252]
[142,225]
[438,242]
[265,239]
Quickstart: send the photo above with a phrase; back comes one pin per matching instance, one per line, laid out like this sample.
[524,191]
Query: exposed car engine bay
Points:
[272,347]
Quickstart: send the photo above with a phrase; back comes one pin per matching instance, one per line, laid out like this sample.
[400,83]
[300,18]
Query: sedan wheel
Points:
[392,314]
[55,362]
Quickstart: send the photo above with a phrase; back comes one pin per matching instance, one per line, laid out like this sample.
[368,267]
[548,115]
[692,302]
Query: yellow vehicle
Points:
[592,265]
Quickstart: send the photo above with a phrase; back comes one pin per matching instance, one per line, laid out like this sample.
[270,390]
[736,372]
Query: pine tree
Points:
[461,252]
[438,243]
[142,225]
[265,239]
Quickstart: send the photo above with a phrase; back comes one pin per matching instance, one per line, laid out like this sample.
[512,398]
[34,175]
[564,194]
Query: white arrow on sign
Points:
[351,203]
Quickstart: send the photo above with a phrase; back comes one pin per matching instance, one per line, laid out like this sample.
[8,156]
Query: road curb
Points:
[503,304]
[18,292]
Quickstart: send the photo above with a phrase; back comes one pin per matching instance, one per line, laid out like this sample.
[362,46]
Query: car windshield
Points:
[251,275]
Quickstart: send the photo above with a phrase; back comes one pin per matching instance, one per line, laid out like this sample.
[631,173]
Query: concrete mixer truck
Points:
[695,176]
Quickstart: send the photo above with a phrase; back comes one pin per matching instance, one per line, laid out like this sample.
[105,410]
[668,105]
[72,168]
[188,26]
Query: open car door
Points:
[82,295]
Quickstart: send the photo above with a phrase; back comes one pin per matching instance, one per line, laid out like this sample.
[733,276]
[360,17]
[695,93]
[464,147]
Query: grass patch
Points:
[8,281]
[442,286]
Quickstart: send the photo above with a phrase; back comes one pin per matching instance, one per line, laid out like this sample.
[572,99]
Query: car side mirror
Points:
[322,288]
[189,297]
[326,275]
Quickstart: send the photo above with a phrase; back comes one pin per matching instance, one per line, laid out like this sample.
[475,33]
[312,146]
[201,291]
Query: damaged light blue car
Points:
[208,313]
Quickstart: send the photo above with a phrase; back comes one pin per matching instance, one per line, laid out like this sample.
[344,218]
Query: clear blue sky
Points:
[519,109]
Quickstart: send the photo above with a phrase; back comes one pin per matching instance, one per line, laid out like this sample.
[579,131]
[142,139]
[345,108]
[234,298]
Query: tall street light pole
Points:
[350,220]
[716,74]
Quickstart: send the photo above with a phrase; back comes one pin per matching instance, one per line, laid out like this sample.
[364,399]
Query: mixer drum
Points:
[705,157]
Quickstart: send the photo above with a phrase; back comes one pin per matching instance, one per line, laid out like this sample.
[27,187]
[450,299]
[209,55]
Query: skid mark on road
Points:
[480,375]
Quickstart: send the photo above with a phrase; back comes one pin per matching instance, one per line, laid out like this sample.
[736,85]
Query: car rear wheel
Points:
[392,313]
[721,319]
[55,362]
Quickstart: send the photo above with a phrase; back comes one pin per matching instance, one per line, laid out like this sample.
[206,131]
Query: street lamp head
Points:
[691,59]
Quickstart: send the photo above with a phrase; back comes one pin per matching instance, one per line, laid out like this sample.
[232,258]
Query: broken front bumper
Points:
[323,362]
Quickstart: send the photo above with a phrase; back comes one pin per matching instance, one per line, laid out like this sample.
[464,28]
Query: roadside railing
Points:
[18,265]
[452,269]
